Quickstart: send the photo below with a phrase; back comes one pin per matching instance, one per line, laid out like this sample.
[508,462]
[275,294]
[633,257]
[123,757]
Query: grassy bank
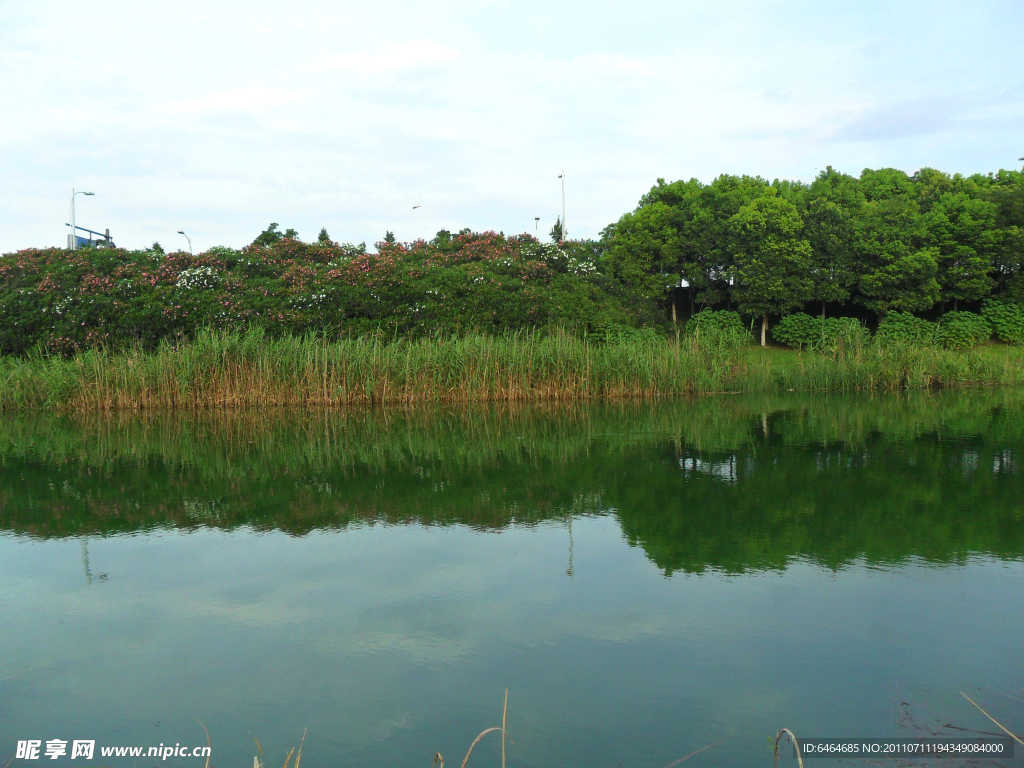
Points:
[248,369]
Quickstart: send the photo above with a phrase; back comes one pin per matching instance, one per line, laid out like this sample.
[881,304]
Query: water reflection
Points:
[735,484]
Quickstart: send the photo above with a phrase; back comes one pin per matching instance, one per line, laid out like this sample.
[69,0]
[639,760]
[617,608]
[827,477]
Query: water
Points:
[645,580]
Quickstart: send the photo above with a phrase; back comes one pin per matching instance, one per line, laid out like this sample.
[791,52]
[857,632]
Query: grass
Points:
[219,370]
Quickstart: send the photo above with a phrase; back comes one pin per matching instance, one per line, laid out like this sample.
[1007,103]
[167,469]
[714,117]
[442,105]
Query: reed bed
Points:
[245,369]
[249,369]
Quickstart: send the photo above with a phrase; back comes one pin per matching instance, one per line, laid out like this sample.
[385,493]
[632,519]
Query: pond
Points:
[645,579]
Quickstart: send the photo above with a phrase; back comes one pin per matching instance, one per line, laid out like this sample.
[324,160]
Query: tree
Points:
[272,235]
[963,232]
[771,259]
[324,238]
[896,271]
[556,231]
[644,251]
[389,236]
[832,203]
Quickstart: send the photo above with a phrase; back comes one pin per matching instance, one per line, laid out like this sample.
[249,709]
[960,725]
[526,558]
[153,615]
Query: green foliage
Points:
[556,231]
[963,330]
[455,284]
[771,259]
[272,235]
[1006,319]
[644,251]
[323,238]
[803,331]
[903,328]
[718,327]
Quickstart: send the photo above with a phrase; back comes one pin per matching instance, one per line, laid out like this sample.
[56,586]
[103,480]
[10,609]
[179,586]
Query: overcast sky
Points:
[220,116]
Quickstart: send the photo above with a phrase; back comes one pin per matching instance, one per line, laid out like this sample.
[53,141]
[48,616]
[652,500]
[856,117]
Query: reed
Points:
[250,369]
[245,369]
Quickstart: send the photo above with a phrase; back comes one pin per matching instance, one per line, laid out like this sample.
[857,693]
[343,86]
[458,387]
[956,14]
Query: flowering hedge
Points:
[485,281]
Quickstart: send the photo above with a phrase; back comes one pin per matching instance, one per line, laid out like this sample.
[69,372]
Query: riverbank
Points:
[248,369]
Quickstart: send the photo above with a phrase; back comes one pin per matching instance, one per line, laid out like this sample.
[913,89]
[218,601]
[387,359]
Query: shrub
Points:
[1006,319]
[718,327]
[801,331]
[904,328]
[962,330]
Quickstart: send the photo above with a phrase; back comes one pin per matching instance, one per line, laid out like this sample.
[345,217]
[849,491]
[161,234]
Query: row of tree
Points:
[882,242]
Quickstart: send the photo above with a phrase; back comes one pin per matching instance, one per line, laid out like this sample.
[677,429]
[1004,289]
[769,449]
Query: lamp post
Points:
[73,243]
[564,231]
[182,233]
[536,226]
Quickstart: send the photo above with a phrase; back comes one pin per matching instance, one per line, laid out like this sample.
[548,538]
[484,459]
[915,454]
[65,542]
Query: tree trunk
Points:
[822,309]
[674,321]
[956,303]
[764,330]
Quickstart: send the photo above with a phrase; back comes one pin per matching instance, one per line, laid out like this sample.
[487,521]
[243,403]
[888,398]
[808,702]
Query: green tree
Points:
[323,238]
[556,231]
[644,251]
[771,259]
[896,271]
[963,232]
[272,235]
[832,204]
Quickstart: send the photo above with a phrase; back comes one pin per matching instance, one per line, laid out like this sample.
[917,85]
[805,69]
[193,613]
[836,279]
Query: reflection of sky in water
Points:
[391,642]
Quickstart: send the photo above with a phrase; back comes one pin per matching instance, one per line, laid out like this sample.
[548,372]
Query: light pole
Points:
[182,233]
[536,226]
[564,231]
[74,231]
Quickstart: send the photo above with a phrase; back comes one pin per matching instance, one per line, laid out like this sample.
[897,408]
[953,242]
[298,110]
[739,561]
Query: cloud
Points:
[397,57]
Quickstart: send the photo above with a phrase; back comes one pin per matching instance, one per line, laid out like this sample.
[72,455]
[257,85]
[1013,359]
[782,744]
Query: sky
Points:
[220,116]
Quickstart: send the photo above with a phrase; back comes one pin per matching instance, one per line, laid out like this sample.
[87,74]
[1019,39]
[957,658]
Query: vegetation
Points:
[239,369]
[662,304]
[864,247]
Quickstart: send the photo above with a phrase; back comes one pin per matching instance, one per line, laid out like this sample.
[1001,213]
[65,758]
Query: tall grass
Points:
[250,369]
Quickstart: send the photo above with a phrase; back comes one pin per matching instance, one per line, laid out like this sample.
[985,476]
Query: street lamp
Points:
[564,231]
[536,226]
[182,233]
[74,231]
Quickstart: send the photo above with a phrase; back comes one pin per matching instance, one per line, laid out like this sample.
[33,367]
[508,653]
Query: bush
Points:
[904,328]
[1006,319]
[483,282]
[718,327]
[962,330]
[801,331]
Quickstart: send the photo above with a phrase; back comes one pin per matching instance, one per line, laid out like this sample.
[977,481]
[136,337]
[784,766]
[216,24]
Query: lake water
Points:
[644,579]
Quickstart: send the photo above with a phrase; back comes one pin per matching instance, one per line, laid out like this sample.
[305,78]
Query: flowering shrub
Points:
[198,278]
[63,301]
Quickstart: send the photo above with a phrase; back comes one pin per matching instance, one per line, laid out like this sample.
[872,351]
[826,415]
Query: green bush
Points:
[801,331]
[905,329]
[454,284]
[962,330]
[1006,319]
[718,327]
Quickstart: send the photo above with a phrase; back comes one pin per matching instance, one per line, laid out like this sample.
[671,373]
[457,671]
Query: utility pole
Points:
[564,230]
[73,242]
[536,226]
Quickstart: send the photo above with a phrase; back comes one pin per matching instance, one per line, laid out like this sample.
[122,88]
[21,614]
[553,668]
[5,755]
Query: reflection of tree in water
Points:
[733,483]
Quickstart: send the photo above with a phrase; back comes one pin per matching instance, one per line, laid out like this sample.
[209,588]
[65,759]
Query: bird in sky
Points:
[416,206]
